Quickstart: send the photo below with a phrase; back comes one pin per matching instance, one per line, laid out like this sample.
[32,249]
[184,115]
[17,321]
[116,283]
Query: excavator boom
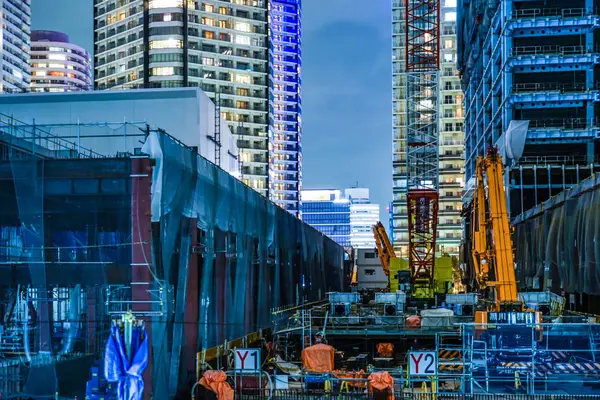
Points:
[492,245]
[385,251]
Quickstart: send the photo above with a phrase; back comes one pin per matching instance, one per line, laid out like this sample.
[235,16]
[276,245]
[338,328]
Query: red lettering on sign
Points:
[242,359]
[416,361]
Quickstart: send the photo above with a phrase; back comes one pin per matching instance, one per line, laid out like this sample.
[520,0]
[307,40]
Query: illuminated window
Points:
[209,8]
[208,34]
[208,61]
[242,39]
[208,21]
[166,44]
[56,66]
[121,16]
[242,26]
[165,3]
[167,17]
[56,73]
[223,24]
[448,43]
[450,17]
[223,11]
[39,73]
[243,92]
[57,57]
[243,78]
[163,71]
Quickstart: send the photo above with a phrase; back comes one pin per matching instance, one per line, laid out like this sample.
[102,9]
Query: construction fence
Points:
[302,395]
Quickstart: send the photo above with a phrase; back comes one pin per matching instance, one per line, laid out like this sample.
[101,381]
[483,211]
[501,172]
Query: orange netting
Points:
[382,381]
[362,375]
[385,349]
[318,358]
[216,381]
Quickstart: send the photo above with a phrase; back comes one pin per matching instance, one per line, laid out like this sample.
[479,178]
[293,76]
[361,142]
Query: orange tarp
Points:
[352,375]
[318,358]
[385,349]
[414,321]
[382,381]
[216,381]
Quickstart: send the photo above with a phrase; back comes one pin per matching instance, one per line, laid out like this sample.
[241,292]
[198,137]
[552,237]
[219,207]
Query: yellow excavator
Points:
[398,271]
[492,251]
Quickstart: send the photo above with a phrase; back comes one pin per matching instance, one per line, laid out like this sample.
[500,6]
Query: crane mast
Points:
[422,18]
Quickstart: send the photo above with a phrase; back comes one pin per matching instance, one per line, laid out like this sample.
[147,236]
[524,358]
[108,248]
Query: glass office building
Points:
[328,212]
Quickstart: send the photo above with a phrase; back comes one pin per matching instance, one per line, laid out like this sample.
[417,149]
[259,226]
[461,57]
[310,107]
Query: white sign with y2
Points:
[422,363]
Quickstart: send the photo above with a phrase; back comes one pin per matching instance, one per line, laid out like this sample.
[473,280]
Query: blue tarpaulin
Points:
[119,369]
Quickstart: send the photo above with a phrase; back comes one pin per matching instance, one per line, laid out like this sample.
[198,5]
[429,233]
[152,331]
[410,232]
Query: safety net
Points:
[556,246]
[164,234]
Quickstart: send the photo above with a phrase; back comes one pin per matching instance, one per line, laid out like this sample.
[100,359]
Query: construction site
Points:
[136,262]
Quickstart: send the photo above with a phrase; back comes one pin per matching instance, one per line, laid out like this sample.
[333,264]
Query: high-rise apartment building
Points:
[450,138]
[245,54]
[15,30]
[530,76]
[57,65]
[328,212]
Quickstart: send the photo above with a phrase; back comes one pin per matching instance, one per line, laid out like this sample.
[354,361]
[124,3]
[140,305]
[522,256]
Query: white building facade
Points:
[57,65]
[363,215]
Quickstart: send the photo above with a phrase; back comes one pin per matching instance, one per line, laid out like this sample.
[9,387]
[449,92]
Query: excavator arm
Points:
[479,228]
[492,245]
[385,251]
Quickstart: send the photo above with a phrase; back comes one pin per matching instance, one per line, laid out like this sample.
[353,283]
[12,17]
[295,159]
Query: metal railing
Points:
[553,160]
[564,123]
[552,12]
[31,139]
[551,49]
[552,86]
[365,394]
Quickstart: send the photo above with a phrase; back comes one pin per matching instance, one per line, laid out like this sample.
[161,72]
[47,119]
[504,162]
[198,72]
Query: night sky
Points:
[346,96]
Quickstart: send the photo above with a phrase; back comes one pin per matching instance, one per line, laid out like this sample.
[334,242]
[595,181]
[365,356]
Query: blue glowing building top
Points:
[285,105]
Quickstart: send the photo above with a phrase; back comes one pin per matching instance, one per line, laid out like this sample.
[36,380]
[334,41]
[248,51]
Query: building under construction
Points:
[163,236]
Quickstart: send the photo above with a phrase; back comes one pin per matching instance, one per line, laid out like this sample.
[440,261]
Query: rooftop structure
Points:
[58,65]
[112,122]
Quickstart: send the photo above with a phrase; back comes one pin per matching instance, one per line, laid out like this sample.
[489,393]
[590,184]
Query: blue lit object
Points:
[117,367]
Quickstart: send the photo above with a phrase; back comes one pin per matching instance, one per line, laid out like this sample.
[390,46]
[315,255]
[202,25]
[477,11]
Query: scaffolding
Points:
[422,19]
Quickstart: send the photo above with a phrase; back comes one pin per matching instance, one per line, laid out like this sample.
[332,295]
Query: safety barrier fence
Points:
[297,395]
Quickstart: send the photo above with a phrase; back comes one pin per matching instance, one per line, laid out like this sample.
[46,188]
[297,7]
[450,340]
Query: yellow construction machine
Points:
[398,271]
[492,250]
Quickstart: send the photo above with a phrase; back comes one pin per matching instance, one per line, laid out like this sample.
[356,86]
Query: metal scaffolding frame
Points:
[422,131]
